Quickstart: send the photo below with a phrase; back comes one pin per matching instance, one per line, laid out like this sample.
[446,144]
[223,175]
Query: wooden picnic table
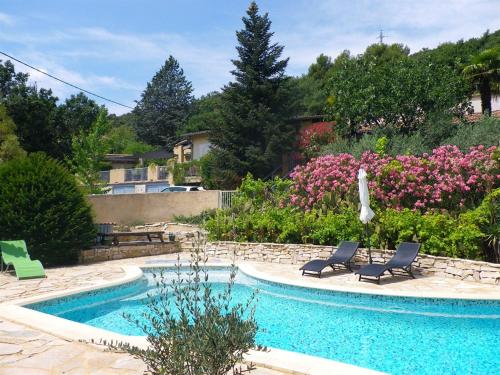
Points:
[116,235]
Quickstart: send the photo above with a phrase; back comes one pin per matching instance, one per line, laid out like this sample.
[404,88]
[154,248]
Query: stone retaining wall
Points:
[127,250]
[462,269]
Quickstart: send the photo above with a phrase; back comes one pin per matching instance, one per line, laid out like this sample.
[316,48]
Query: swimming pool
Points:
[392,334]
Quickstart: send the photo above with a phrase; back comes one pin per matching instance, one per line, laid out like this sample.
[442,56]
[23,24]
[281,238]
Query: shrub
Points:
[381,143]
[286,225]
[328,179]
[393,227]
[191,329]
[440,234]
[220,227]
[483,132]
[262,215]
[195,219]
[220,170]
[412,144]
[257,193]
[312,137]
[331,228]
[435,132]
[446,179]
[355,147]
[181,170]
[41,203]
[487,218]
[255,214]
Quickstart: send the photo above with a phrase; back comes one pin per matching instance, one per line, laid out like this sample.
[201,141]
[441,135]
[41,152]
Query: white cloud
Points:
[6,19]
[204,62]
[326,26]
[118,64]
[91,82]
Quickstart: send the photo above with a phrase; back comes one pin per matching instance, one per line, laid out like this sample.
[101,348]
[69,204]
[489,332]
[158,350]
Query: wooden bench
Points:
[116,235]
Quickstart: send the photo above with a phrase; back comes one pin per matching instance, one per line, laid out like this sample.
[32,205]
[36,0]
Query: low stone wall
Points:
[127,250]
[462,269]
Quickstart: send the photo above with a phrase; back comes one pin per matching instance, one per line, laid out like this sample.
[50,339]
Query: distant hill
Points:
[459,53]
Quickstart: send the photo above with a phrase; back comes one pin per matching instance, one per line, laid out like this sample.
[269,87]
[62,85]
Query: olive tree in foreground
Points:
[190,328]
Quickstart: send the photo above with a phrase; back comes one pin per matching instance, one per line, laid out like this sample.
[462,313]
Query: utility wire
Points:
[63,81]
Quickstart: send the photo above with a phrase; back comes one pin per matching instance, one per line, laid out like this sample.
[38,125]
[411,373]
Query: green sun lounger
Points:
[15,254]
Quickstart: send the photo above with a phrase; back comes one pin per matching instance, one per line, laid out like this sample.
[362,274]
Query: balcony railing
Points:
[104,176]
[193,171]
[162,173]
[136,174]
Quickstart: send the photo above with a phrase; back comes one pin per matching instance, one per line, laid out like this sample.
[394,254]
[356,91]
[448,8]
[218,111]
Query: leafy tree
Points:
[458,54]
[76,114]
[205,114]
[321,68]
[125,119]
[31,109]
[218,170]
[41,203]
[164,105]
[399,95]
[308,92]
[484,132]
[41,124]
[33,112]
[10,79]
[254,133]
[9,144]
[382,53]
[484,72]
[88,150]
[123,140]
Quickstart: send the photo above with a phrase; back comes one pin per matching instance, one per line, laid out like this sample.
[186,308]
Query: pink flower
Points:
[403,181]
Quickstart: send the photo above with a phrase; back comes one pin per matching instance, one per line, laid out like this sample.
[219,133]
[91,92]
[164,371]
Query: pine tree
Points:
[164,105]
[253,133]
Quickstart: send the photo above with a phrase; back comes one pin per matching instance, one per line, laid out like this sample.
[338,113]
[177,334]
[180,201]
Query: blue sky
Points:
[114,47]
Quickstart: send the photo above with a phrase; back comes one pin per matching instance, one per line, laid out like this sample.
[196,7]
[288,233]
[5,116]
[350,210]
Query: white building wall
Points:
[200,148]
[495,103]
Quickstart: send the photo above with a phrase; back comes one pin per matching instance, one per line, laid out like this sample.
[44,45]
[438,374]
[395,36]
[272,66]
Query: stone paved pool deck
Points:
[29,350]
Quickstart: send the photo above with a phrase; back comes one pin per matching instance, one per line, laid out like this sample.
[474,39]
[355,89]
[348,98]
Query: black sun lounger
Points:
[342,256]
[404,257]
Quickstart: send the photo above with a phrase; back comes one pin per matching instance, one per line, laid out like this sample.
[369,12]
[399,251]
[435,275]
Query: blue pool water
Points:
[391,334]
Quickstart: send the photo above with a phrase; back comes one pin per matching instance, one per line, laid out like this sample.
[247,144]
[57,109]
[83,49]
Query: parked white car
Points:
[182,188]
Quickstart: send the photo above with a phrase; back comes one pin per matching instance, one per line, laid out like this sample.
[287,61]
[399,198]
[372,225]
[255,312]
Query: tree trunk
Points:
[485,92]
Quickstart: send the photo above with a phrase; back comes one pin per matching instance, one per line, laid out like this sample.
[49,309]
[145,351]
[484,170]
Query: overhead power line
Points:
[63,81]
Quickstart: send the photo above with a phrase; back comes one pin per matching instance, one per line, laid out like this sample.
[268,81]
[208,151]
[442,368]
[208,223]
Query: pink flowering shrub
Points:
[445,180]
[316,132]
[313,136]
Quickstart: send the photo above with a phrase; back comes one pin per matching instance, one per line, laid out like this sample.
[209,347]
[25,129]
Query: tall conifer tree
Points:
[253,133]
[164,105]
